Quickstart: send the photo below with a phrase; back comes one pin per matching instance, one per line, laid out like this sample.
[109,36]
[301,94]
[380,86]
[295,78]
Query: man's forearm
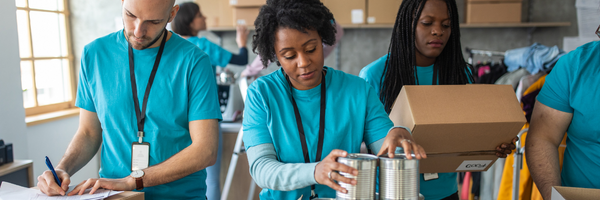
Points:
[542,160]
[81,150]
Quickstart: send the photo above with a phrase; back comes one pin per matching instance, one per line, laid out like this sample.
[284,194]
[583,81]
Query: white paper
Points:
[12,191]
[233,2]
[473,165]
[358,16]
[588,17]
[371,20]
[430,176]
[9,191]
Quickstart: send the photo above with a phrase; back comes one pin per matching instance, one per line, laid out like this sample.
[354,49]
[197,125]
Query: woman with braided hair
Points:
[425,49]
[299,119]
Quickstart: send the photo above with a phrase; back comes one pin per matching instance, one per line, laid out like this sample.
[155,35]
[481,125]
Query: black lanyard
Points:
[141,115]
[301,128]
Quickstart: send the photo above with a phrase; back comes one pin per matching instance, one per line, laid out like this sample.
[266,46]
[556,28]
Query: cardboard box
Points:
[382,11]
[493,12]
[459,126]
[569,193]
[245,15]
[347,11]
[218,13]
[247,3]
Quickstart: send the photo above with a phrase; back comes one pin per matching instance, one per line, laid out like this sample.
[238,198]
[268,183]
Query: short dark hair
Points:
[400,65]
[186,14]
[301,15]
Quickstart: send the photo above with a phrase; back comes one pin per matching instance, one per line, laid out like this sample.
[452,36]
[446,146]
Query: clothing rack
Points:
[519,151]
[473,52]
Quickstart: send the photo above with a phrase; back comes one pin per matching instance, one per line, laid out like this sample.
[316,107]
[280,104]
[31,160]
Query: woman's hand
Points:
[504,149]
[327,171]
[399,137]
[241,36]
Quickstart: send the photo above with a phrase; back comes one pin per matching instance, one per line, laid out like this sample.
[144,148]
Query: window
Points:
[46,57]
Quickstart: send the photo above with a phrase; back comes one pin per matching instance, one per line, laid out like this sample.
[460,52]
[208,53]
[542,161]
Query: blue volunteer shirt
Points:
[446,184]
[184,90]
[353,115]
[218,56]
[572,87]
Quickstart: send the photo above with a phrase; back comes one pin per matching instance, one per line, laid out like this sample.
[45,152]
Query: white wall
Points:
[12,113]
[52,139]
[49,139]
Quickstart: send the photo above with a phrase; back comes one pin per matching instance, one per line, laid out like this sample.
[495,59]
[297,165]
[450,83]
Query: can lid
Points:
[396,156]
[361,156]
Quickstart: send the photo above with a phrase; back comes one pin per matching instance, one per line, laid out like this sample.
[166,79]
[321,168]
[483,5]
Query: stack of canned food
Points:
[398,177]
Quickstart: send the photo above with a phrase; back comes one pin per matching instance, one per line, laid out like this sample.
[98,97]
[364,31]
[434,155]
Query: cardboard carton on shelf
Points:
[245,15]
[347,11]
[218,13]
[459,126]
[568,193]
[247,3]
[382,11]
[496,11]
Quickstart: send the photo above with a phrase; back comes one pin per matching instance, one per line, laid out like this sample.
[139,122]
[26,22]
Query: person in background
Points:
[425,49]
[256,66]
[148,98]
[568,103]
[189,21]
[299,119]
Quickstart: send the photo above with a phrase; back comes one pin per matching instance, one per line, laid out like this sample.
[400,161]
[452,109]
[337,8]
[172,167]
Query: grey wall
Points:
[360,47]
[52,139]
[12,113]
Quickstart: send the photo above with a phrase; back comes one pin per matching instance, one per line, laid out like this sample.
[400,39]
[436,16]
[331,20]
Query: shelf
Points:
[517,25]
[482,25]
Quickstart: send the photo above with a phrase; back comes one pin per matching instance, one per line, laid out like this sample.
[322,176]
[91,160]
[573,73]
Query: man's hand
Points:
[327,171]
[123,184]
[400,137]
[48,185]
[504,149]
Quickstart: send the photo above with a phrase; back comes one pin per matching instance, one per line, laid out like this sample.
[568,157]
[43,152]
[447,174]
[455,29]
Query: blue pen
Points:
[49,164]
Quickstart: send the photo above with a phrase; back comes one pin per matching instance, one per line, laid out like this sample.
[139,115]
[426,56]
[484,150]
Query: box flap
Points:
[459,118]
[574,193]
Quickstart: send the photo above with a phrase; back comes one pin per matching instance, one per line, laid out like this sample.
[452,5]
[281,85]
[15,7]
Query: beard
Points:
[145,38]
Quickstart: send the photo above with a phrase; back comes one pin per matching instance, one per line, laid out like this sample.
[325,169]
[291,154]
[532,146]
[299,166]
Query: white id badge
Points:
[140,156]
[430,176]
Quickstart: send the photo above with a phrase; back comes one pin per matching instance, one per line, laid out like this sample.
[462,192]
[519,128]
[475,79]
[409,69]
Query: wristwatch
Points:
[139,182]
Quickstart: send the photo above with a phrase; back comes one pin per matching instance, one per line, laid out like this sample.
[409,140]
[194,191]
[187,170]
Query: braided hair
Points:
[301,15]
[400,66]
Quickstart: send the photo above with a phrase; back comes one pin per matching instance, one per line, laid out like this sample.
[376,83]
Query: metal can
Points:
[364,189]
[399,178]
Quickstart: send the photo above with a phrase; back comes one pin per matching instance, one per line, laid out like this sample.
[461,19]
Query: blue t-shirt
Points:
[353,115]
[446,184]
[572,87]
[184,90]
[218,56]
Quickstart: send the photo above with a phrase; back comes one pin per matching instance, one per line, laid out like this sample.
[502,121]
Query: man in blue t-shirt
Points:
[148,98]
[569,102]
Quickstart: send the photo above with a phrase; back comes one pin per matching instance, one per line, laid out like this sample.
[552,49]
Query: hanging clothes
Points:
[534,58]
[512,78]
[527,189]
[526,82]
[495,72]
